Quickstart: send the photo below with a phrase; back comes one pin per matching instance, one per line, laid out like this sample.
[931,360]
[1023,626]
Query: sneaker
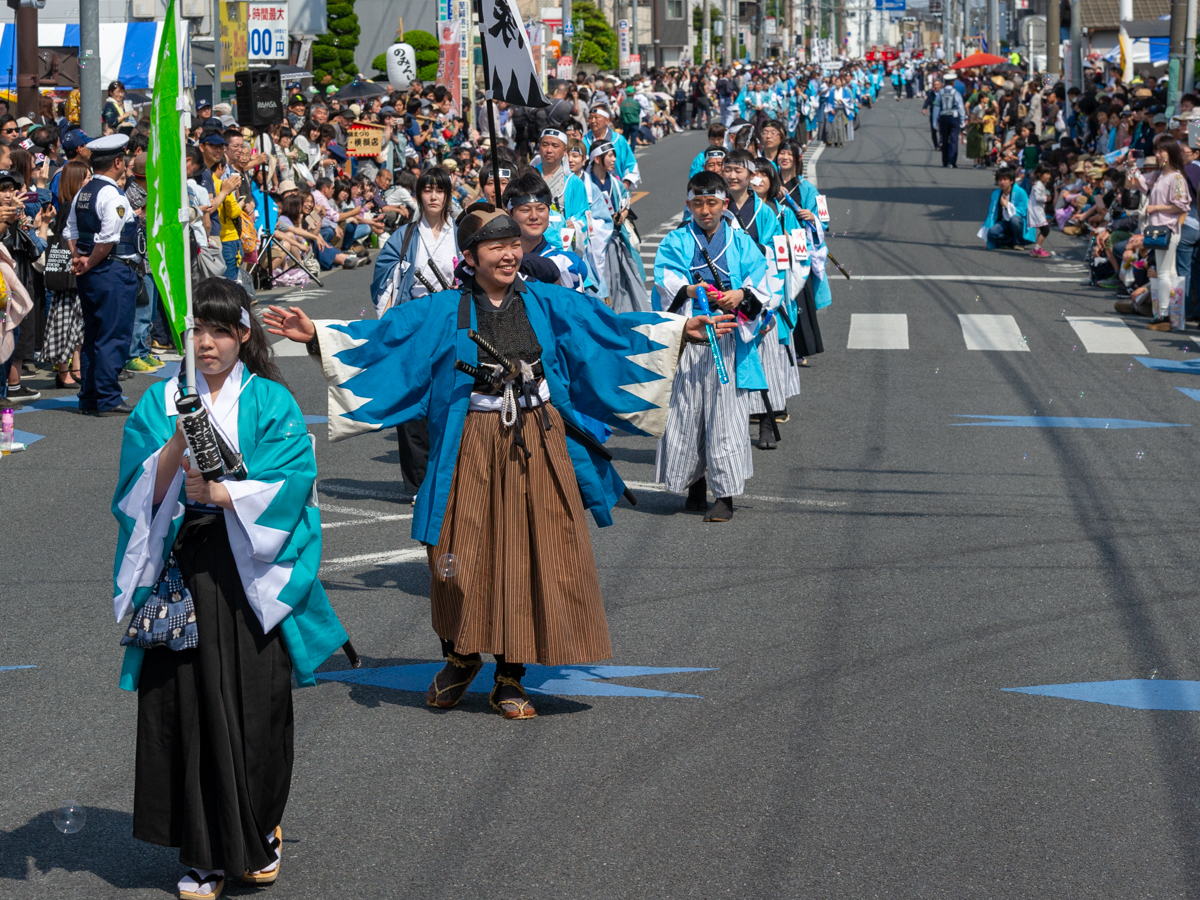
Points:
[139,365]
[350,262]
[1038,253]
[22,394]
[1160,323]
[1112,284]
[151,360]
[162,348]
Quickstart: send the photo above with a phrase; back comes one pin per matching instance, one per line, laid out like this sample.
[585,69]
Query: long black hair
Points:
[220,302]
[439,178]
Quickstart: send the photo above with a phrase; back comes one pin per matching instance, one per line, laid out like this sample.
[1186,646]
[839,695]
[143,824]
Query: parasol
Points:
[361,90]
[979,61]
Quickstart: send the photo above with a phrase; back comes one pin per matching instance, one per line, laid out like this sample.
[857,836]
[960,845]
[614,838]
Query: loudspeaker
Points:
[259,97]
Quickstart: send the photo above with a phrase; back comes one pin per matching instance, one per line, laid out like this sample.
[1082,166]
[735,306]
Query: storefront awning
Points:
[128,51]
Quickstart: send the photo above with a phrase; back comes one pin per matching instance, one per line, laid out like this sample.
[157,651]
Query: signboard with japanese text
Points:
[623,47]
[364,140]
[566,67]
[235,40]
[267,31]
[635,64]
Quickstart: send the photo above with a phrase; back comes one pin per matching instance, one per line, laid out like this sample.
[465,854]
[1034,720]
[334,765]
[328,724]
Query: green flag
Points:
[164,181]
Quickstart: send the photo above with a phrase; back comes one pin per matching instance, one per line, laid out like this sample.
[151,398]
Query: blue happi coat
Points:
[627,166]
[615,368]
[1020,221]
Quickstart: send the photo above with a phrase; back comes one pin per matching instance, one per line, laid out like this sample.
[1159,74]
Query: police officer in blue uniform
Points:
[103,234]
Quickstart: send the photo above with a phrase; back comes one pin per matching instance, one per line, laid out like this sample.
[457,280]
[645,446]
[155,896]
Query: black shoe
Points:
[121,409]
[722,510]
[125,375]
[697,500]
[22,394]
[766,435]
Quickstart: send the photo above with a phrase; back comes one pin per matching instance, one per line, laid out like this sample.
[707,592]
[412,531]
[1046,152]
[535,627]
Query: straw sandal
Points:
[515,703]
[267,876]
[450,684]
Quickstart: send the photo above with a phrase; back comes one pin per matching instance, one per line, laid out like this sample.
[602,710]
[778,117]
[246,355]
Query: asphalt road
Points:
[888,576]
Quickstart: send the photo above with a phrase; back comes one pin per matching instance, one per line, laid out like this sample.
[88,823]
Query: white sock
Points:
[189,884]
[278,856]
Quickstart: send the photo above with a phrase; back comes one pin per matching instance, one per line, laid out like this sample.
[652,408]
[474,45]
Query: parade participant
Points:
[716,141]
[774,338]
[1006,224]
[770,136]
[102,233]
[745,207]
[951,113]
[714,161]
[487,184]
[420,257]
[705,440]
[599,121]
[214,734]
[528,202]
[609,250]
[800,195]
[502,510]
[569,214]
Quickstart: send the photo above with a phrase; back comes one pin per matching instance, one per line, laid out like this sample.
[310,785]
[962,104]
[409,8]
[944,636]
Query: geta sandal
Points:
[450,684]
[218,882]
[267,876]
[512,706]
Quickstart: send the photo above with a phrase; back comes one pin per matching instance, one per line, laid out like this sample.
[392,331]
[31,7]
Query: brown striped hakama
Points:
[526,586]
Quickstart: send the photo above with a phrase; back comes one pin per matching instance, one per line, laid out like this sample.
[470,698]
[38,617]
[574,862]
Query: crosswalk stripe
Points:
[878,331]
[1105,334]
[992,333]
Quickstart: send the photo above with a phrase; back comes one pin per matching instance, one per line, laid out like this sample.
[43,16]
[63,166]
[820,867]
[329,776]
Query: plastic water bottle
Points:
[6,430]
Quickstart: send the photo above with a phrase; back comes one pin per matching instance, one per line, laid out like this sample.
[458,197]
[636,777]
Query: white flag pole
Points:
[185,124]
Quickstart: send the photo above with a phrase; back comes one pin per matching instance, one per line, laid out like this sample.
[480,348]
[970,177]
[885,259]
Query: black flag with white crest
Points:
[508,59]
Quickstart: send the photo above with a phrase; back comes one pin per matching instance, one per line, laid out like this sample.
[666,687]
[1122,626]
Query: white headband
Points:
[602,111]
[692,195]
[245,317]
[555,133]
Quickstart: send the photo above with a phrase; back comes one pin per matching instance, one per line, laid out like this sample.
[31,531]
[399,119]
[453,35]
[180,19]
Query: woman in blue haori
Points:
[214,733]
[801,196]
[599,123]
[1007,223]
[419,258]
[610,249]
[502,508]
[705,441]
[527,200]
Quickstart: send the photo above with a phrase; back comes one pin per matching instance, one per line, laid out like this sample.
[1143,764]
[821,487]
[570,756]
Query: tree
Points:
[599,47]
[333,52]
[714,12]
[426,47]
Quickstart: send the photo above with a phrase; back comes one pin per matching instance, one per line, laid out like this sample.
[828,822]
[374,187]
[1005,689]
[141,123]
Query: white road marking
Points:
[387,558]
[396,518]
[810,162]
[1104,334]
[992,333]
[881,331]
[799,501]
[1042,279]
[284,347]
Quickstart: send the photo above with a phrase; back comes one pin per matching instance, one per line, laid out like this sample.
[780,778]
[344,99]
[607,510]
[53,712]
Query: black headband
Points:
[500,226]
[522,199]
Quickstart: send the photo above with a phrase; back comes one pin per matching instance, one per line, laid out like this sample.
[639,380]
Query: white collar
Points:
[224,413]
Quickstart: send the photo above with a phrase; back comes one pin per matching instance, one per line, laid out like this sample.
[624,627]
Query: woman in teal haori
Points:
[214,737]
[1007,222]
[501,369]
[610,248]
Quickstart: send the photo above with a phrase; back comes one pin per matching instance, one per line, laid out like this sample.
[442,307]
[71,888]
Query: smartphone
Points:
[1137,154]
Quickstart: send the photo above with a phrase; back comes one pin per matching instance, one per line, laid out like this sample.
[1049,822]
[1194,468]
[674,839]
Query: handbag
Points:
[1156,237]
[167,618]
[59,274]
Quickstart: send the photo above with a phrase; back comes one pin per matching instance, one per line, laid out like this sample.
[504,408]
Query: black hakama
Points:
[214,741]
[807,334]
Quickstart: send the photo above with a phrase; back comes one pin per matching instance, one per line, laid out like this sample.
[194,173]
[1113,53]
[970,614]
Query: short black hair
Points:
[741,158]
[705,182]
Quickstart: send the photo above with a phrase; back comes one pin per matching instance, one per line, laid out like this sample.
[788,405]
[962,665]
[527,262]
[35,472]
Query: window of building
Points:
[674,9]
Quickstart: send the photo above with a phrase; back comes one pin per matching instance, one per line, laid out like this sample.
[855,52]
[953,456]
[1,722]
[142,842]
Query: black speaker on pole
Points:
[259,97]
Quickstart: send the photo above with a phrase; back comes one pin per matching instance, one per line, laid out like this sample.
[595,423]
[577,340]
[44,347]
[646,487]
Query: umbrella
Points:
[361,90]
[978,61]
[1008,69]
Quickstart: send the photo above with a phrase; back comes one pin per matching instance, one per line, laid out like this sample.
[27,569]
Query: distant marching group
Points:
[507,345]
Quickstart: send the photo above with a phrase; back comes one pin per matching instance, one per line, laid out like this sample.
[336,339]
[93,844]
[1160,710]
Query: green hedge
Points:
[333,52]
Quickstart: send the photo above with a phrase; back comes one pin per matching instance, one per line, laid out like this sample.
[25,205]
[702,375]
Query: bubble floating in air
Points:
[70,817]
[447,565]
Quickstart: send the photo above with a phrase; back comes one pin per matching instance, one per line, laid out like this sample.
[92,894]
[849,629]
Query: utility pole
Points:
[705,32]
[1179,17]
[1077,44]
[1189,50]
[89,67]
[633,31]
[566,19]
[726,35]
[1054,37]
[216,36]
[993,10]
[26,20]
